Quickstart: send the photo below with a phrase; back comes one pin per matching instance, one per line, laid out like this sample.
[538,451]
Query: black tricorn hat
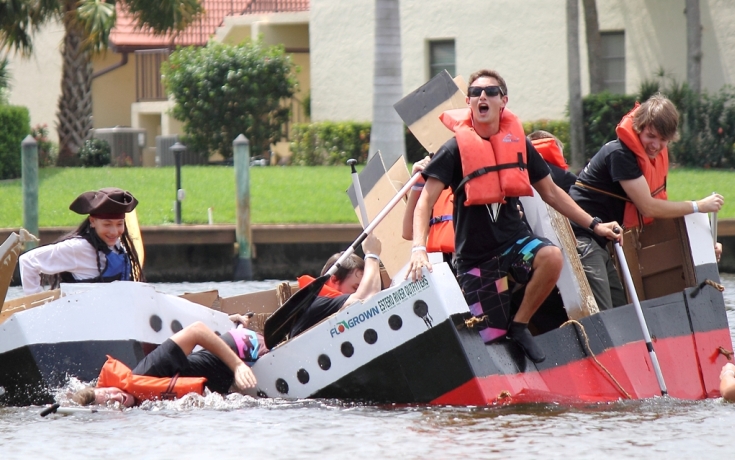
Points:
[104,201]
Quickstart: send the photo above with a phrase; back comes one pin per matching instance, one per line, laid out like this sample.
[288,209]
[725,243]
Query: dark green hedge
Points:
[15,123]
[602,112]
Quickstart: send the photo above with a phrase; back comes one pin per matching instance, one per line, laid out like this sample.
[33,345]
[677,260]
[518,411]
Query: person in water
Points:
[356,280]
[98,251]
[494,248]
[626,181]
[222,366]
[727,382]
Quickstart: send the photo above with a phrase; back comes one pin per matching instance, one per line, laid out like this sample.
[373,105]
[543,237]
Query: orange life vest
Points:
[654,171]
[326,291]
[441,228]
[494,168]
[550,151]
[143,388]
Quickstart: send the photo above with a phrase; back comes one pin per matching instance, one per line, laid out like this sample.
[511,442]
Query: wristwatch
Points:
[594,223]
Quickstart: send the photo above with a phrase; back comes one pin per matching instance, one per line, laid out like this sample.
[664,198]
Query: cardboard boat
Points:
[415,342]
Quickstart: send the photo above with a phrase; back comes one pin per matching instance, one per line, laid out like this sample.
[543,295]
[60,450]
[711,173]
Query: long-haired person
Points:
[100,250]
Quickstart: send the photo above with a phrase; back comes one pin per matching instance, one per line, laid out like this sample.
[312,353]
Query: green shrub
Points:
[15,124]
[330,143]
[602,112]
[707,129]
[222,91]
[47,151]
[95,153]
[559,128]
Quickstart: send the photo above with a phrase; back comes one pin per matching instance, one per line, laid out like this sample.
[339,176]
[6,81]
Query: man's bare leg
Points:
[547,266]
[546,269]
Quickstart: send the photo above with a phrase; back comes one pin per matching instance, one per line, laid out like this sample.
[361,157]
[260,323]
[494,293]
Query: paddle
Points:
[58,409]
[713,225]
[358,192]
[641,319]
[277,326]
[131,223]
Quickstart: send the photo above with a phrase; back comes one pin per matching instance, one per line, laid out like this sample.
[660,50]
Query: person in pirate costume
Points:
[626,181]
[100,250]
[489,164]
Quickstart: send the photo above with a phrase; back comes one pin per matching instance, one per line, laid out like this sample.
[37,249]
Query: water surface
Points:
[243,427]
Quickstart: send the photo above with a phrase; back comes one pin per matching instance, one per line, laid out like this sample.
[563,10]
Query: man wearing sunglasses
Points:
[489,164]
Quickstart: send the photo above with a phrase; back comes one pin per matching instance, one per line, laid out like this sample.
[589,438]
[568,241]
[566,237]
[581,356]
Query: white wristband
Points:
[418,248]
[695,207]
[729,372]
[372,256]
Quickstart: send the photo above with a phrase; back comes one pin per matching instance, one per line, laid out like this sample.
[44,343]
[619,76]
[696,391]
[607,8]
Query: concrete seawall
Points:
[175,253]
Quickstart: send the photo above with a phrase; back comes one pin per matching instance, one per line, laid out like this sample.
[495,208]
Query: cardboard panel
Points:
[572,284]
[380,184]
[421,108]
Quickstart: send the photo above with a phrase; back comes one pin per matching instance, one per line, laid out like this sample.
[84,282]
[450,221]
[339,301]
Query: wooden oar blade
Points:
[279,324]
[131,222]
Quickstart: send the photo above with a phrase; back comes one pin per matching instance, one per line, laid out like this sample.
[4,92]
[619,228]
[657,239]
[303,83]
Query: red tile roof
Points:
[126,36]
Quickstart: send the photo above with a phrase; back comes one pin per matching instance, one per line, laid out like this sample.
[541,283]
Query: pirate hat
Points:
[111,203]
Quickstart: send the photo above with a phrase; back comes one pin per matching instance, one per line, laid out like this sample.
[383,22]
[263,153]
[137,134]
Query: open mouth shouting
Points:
[483,108]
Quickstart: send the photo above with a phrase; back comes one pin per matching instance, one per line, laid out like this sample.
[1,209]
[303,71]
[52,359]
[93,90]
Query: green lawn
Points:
[277,194]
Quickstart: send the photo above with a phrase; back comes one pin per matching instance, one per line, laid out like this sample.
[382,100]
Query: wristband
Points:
[417,187]
[372,256]
[418,248]
[695,207]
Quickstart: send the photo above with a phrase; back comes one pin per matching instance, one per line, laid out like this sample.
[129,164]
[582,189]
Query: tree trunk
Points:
[387,132]
[694,46]
[594,46]
[576,128]
[74,122]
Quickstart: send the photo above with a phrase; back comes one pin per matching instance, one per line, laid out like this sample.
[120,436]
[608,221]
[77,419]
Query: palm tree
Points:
[387,132]
[4,80]
[87,25]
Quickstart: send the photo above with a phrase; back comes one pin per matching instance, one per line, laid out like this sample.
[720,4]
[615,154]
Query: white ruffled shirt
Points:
[75,255]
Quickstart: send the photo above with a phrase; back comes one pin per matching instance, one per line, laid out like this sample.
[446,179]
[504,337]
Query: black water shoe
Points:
[520,334]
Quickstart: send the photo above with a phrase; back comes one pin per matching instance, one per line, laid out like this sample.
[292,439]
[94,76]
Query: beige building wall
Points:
[655,38]
[114,92]
[36,81]
[524,41]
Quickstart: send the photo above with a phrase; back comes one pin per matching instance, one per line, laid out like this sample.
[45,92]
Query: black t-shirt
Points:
[168,360]
[319,309]
[478,236]
[614,162]
[561,177]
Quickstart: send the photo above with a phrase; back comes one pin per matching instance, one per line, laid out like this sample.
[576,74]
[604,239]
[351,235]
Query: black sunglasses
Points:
[491,91]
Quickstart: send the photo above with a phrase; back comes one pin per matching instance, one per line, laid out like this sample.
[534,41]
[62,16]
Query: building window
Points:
[441,57]
[613,61]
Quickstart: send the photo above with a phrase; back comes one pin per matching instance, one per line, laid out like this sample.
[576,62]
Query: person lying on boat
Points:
[172,370]
[495,250]
[356,280]
[727,382]
[100,250]
[626,181]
